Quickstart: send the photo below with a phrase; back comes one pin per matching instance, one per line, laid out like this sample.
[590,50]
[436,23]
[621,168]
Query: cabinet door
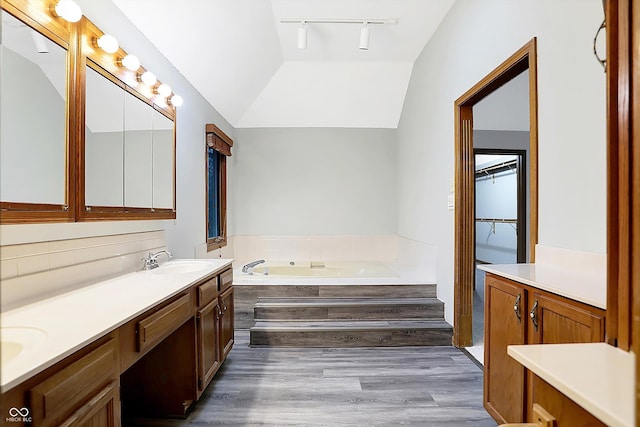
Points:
[208,343]
[504,325]
[227,324]
[556,320]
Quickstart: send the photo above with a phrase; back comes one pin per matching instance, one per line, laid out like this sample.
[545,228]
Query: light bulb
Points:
[164,90]
[148,78]
[131,62]
[108,43]
[68,10]
[176,101]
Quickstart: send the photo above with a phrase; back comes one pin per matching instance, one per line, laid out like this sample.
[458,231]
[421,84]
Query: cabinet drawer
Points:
[207,291]
[226,279]
[62,393]
[160,324]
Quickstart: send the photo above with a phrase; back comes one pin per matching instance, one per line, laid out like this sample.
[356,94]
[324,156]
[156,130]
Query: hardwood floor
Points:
[372,386]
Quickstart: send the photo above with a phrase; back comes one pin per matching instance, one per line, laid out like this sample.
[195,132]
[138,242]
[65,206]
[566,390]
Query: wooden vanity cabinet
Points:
[155,365]
[516,313]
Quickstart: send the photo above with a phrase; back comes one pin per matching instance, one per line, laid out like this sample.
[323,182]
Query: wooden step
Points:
[246,295]
[362,333]
[347,308]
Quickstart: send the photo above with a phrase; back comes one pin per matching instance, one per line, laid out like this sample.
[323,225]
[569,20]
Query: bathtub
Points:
[318,269]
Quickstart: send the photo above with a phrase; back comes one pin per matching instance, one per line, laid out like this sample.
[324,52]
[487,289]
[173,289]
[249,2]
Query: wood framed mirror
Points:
[82,138]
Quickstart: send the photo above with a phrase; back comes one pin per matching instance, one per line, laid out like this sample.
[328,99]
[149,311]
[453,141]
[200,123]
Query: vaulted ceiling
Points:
[245,61]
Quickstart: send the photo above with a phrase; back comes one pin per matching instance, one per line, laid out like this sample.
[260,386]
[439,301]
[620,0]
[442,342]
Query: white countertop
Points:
[65,323]
[598,377]
[574,284]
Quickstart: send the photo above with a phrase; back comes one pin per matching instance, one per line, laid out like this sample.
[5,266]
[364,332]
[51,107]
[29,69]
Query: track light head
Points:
[302,35]
[365,33]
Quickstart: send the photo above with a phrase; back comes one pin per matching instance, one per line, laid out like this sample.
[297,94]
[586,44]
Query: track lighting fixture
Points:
[365,32]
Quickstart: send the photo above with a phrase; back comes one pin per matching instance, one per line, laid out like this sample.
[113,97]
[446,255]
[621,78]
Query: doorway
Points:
[501,222]
[465,220]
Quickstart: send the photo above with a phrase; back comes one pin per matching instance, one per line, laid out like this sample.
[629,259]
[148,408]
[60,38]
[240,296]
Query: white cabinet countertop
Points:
[596,376]
[47,331]
[589,289]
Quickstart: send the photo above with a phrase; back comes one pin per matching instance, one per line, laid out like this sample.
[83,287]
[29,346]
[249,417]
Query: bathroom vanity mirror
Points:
[129,149]
[104,142]
[163,162]
[138,152]
[33,95]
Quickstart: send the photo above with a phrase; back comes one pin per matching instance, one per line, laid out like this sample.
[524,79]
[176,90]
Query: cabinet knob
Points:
[516,306]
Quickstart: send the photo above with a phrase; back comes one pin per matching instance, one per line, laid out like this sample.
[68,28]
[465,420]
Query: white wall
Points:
[473,39]
[187,233]
[311,181]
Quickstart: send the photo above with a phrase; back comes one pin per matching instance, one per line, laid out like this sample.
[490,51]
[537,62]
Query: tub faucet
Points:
[151,261]
[248,268]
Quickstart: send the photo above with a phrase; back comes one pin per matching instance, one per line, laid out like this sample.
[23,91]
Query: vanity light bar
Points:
[153,87]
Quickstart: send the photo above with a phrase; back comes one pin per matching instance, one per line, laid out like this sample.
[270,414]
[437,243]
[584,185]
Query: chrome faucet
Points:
[151,261]
[248,268]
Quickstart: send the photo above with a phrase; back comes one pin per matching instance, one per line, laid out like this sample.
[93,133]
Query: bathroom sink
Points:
[182,267]
[17,340]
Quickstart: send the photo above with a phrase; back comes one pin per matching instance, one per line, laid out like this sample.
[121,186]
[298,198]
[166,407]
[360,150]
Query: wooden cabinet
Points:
[85,393]
[561,321]
[504,325]
[226,322]
[519,314]
[215,326]
[208,333]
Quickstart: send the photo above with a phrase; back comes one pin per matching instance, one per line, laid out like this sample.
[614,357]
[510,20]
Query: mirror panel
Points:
[138,152]
[163,162]
[104,141]
[33,104]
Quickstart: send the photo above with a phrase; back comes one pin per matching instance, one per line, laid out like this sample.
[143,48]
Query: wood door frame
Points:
[464,221]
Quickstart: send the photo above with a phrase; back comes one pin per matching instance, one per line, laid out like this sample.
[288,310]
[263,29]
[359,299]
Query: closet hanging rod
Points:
[500,220]
[503,165]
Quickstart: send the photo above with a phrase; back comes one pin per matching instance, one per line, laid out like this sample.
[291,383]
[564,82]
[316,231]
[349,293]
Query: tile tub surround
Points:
[326,248]
[32,271]
[69,330]
[416,261]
